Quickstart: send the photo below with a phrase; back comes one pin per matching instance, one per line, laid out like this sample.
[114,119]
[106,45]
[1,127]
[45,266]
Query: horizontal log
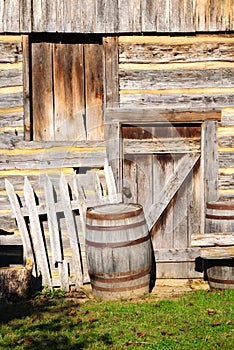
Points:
[12,120]
[183,101]
[11,78]
[11,100]
[226,159]
[33,155]
[10,52]
[172,49]
[167,79]
[153,115]
[176,255]
[182,145]
[212,239]
[217,252]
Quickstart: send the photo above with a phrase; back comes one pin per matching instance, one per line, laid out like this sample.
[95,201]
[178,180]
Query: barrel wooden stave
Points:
[219,217]
[118,250]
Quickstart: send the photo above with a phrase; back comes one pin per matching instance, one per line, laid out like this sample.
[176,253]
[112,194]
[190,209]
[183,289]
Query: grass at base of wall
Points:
[194,320]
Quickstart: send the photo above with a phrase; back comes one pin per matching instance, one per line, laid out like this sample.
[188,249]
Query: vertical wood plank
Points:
[149,15]
[130,16]
[11,16]
[210,151]
[26,92]
[2,8]
[38,16]
[111,71]
[50,16]
[114,150]
[130,179]
[42,86]
[37,234]
[25,16]
[202,15]
[94,91]
[69,101]
[144,181]
[72,231]
[55,244]
[64,16]
[88,17]
[163,17]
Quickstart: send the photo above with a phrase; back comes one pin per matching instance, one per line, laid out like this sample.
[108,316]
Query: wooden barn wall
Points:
[11,109]
[181,74]
[116,16]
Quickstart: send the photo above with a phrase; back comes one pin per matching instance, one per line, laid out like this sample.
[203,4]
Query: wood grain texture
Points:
[94,73]
[43,121]
[114,16]
[68,80]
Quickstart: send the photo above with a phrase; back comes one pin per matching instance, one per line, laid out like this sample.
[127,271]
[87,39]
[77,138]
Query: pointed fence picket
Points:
[53,229]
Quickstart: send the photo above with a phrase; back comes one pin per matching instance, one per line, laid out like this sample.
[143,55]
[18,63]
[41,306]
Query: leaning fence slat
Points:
[52,222]
[16,211]
[37,234]
[64,275]
[113,196]
[80,197]
[72,230]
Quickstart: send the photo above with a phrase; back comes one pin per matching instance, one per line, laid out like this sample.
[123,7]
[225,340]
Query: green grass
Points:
[195,320]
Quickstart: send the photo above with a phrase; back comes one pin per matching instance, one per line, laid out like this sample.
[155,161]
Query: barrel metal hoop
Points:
[113,216]
[117,244]
[220,206]
[135,276]
[219,217]
[115,228]
[121,289]
[216,280]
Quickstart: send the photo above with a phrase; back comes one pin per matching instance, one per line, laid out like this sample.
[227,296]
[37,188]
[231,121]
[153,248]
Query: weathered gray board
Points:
[112,16]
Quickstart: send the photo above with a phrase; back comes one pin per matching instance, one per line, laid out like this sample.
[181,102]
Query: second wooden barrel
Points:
[220,273]
[220,217]
[118,250]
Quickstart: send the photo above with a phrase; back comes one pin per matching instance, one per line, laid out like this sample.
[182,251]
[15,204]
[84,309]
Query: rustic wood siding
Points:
[11,90]
[116,16]
[226,153]
[177,72]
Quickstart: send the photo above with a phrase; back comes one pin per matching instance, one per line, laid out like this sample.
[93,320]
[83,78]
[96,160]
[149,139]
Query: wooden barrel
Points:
[118,250]
[220,217]
[220,274]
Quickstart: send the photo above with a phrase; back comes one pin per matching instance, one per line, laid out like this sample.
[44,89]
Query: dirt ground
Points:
[164,288]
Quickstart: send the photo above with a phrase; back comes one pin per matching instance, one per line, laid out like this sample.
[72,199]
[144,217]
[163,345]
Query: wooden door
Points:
[67,91]
[162,171]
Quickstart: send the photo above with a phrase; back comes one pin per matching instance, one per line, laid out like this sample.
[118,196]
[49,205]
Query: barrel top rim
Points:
[101,212]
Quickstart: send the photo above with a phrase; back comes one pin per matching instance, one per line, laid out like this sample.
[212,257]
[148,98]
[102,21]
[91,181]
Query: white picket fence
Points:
[53,229]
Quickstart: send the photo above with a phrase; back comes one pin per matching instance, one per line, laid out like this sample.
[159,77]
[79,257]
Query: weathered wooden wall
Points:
[11,89]
[116,16]
[175,72]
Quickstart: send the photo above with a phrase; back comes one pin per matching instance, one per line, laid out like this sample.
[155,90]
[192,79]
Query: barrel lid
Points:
[117,211]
